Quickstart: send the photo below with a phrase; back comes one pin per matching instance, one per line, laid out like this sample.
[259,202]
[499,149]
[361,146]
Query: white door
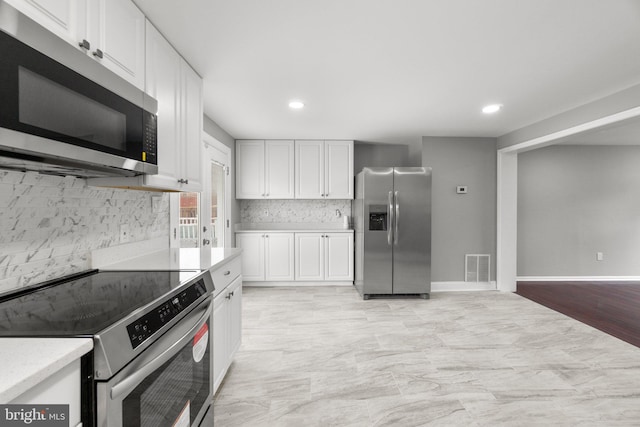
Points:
[220,338]
[250,169]
[163,84]
[278,257]
[235,316]
[253,255]
[309,177]
[339,256]
[216,195]
[116,28]
[339,169]
[191,109]
[309,256]
[65,18]
[279,166]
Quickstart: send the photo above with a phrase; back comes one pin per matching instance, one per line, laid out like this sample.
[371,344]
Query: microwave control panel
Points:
[144,327]
[150,138]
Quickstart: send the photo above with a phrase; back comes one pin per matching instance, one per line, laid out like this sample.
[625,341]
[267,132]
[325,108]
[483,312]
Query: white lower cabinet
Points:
[324,256]
[227,328]
[266,256]
[291,256]
[61,388]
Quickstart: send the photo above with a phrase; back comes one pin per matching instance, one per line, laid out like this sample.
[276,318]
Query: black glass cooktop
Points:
[83,306]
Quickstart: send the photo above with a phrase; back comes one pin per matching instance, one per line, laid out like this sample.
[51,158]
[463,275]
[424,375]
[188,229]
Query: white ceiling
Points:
[393,71]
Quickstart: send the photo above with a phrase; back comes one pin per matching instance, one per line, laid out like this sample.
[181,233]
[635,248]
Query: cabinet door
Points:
[279,166]
[235,317]
[220,338]
[66,19]
[339,256]
[163,83]
[309,181]
[339,169]
[116,27]
[309,256]
[192,133]
[250,169]
[253,255]
[278,257]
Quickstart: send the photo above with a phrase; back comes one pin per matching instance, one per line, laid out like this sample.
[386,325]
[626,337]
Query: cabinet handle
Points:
[183,181]
[85,44]
[98,53]
[228,296]
[266,235]
[226,273]
[232,293]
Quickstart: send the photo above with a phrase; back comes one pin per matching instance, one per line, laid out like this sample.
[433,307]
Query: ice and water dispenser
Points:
[378,217]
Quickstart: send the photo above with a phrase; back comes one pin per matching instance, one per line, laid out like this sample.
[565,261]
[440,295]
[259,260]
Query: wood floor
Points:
[612,307]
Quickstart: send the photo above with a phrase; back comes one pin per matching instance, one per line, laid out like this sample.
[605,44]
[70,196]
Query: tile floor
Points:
[324,357]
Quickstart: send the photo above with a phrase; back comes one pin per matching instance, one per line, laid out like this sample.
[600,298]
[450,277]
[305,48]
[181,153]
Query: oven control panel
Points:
[152,322]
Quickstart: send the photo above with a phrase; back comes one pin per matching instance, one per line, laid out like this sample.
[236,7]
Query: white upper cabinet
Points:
[191,121]
[110,31]
[324,170]
[338,159]
[178,90]
[116,33]
[310,169]
[65,18]
[264,169]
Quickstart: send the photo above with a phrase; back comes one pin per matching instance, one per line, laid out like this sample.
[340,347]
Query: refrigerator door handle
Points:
[396,218]
[390,218]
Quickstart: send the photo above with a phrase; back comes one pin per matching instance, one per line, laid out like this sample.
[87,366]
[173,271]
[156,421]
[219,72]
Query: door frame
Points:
[214,150]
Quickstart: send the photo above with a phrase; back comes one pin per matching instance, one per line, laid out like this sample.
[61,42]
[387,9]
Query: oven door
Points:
[169,384]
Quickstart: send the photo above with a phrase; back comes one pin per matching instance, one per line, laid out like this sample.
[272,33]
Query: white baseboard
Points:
[298,284]
[577,278]
[462,286]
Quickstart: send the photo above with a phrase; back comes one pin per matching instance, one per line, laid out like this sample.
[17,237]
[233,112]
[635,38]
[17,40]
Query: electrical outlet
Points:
[155,203]
[124,233]
[599,256]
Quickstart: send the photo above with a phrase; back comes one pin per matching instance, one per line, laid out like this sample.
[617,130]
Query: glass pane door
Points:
[189,220]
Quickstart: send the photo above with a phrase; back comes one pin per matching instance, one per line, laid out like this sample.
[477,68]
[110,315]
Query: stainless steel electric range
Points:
[152,359]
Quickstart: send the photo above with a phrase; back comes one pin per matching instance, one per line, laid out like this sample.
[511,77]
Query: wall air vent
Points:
[476,267]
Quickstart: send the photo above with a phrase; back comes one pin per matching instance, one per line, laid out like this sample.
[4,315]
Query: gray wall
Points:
[379,155]
[221,135]
[461,223]
[574,201]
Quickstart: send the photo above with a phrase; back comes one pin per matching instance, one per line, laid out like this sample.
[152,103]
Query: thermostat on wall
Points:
[461,189]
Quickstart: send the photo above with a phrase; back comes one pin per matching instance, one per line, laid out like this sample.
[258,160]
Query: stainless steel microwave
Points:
[64,113]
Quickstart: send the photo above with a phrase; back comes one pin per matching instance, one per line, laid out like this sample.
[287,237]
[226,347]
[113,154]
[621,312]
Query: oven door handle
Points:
[130,382]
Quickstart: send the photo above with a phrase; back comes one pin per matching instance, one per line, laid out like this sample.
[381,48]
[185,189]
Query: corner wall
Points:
[574,201]
[461,223]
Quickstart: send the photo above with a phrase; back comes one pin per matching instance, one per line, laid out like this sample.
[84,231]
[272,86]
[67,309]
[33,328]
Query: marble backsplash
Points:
[49,225]
[285,211]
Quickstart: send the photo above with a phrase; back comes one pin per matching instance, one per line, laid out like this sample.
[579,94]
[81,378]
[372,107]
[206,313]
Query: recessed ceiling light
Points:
[493,108]
[296,105]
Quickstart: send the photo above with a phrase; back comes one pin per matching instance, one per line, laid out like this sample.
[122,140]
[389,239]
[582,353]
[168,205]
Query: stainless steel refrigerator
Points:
[392,221]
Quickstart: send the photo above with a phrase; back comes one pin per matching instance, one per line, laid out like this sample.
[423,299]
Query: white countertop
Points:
[177,259]
[26,362]
[295,227]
